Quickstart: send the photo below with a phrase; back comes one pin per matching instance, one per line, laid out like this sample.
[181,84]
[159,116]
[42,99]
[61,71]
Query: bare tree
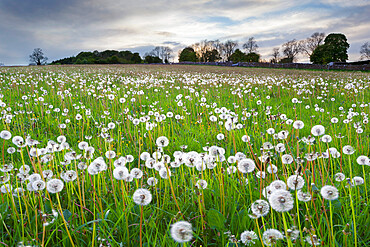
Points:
[291,49]
[219,46]
[206,47]
[310,44]
[251,45]
[275,55]
[229,48]
[37,57]
[166,53]
[365,51]
[156,51]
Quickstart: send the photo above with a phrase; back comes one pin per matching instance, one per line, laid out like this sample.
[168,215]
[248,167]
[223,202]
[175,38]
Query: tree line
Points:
[319,48]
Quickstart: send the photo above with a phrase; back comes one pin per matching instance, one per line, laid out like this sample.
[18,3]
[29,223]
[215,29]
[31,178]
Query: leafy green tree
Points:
[334,49]
[286,60]
[104,57]
[152,59]
[337,47]
[188,55]
[238,56]
[320,55]
[252,57]
[211,56]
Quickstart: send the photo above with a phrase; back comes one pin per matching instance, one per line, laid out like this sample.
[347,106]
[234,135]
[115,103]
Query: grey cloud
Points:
[63,28]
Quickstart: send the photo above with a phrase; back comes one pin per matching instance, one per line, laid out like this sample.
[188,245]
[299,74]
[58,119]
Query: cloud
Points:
[63,28]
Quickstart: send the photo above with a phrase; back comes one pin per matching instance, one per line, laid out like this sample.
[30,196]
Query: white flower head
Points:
[142,197]
[181,231]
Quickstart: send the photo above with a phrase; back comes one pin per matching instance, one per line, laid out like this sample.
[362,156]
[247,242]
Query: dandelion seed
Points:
[110,154]
[120,173]
[7,168]
[246,138]
[329,192]
[348,150]
[266,192]
[70,176]
[164,173]
[162,141]
[318,130]
[295,182]
[24,169]
[357,181]
[181,231]
[61,139]
[136,173]
[201,184]
[363,160]
[271,236]
[339,177]
[281,201]
[277,185]
[54,185]
[142,197]
[34,177]
[83,145]
[248,237]
[246,165]
[6,135]
[6,188]
[286,159]
[152,181]
[272,169]
[260,208]
[303,196]
[298,124]
[145,156]
[38,185]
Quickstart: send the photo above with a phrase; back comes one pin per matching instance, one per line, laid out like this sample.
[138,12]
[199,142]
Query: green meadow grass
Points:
[125,109]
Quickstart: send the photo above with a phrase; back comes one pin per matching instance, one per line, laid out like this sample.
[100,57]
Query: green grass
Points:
[99,209]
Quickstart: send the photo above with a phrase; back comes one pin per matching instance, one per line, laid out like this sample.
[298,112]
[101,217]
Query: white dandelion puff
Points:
[142,197]
[181,231]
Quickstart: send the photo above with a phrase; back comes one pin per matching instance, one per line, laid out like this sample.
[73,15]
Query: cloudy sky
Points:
[63,28]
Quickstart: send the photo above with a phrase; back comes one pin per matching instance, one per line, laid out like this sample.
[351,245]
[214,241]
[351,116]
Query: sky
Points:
[63,28]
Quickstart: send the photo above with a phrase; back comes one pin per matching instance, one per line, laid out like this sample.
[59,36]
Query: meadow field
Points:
[148,155]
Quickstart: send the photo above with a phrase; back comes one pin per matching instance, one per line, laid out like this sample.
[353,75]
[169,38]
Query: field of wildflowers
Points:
[183,156]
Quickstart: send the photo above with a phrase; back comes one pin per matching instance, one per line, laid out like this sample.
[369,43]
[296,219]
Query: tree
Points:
[219,46]
[238,56]
[152,59]
[204,49]
[320,55]
[166,53]
[211,56]
[334,49]
[310,44]
[365,51]
[37,57]
[229,48]
[291,49]
[337,46]
[275,55]
[251,45]
[188,55]
[252,57]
